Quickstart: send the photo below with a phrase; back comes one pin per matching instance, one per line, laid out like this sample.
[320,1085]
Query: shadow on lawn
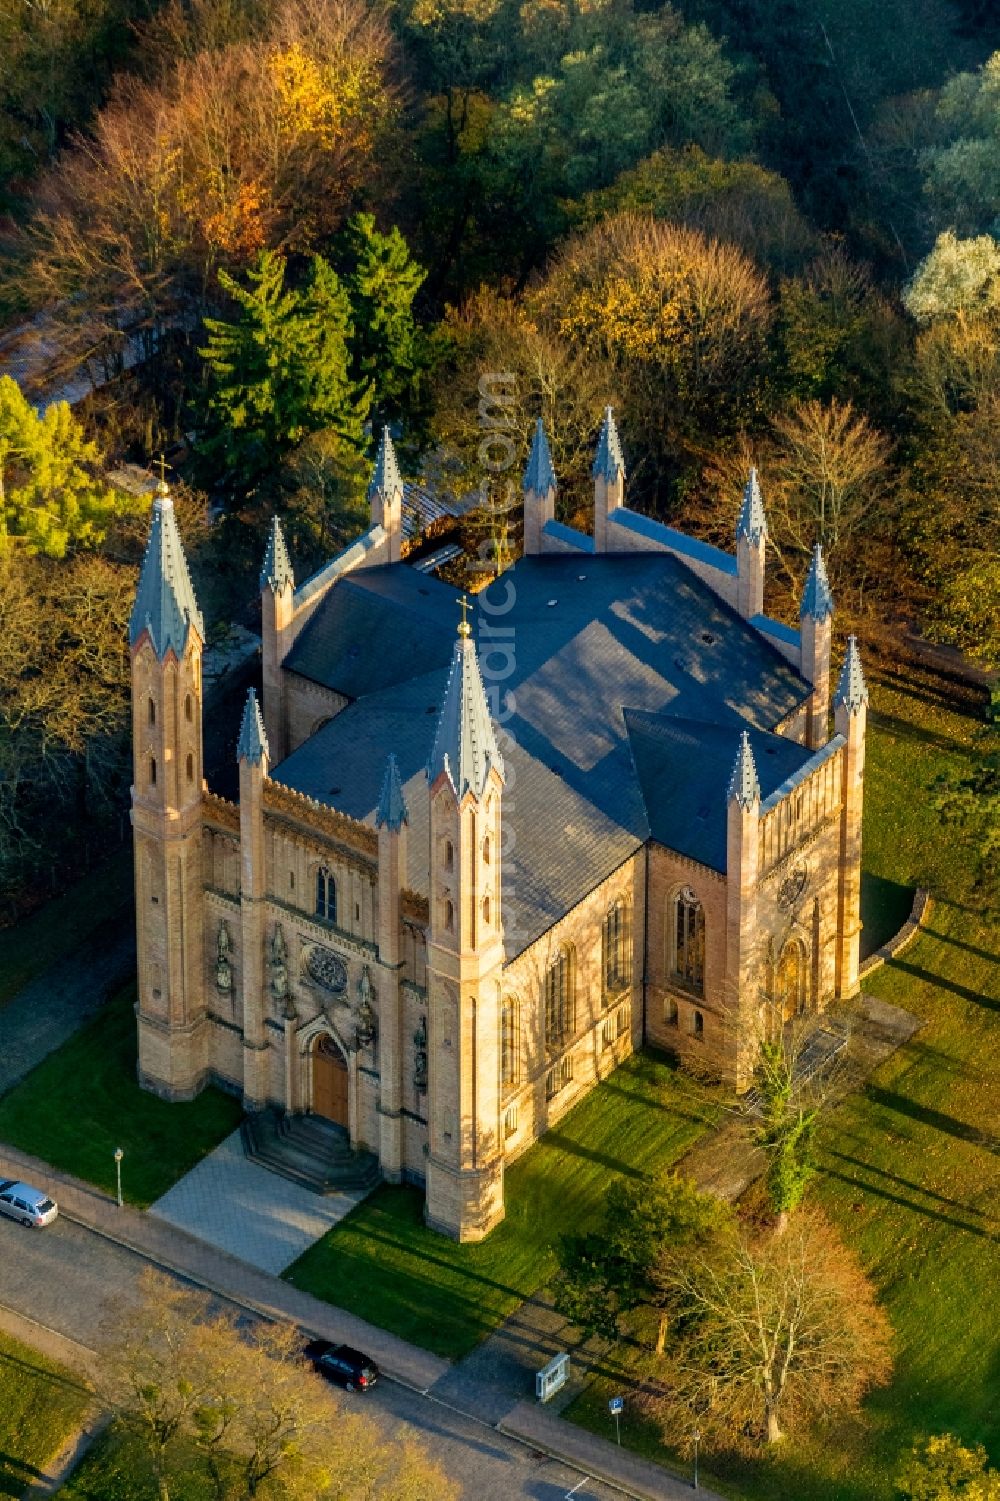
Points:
[933,1118]
[975,997]
[54,1378]
[372,1233]
[928,1193]
[641,1099]
[907,1203]
[576,1149]
[970,948]
[903,729]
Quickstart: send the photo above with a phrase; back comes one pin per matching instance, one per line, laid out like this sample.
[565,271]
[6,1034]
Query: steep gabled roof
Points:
[165,605]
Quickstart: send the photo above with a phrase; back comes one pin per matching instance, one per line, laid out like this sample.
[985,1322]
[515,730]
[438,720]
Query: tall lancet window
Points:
[617,945]
[326,894]
[688,943]
[560,1001]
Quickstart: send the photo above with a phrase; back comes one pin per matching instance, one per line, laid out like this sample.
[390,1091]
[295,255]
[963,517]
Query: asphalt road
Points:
[72,1281]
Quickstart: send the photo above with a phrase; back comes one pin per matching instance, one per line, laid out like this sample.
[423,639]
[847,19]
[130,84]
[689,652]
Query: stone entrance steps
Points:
[308,1150]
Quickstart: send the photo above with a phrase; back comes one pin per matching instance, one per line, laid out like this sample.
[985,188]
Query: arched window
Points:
[617,944]
[697,1024]
[152,711]
[188,710]
[486,910]
[789,980]
[688,941]
[190,767]
[509,1041]
[449,855]
[560,1001]
[326,895]
[449,917]
[670,1013]
[152,771]
[486,850]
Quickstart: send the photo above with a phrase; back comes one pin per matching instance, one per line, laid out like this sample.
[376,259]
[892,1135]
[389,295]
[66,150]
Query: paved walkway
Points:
[252,1213]
[54,1005]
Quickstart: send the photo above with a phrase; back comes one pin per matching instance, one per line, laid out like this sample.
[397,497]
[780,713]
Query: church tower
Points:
[742,858]
[464,959]
[751,544]
[609,479]
[815,631]
[253,758]
[385,496]
[539,486]
[166,637]
[850,707]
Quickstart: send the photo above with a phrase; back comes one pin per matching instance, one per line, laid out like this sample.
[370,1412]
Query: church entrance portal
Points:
[790,986]
[330,1082]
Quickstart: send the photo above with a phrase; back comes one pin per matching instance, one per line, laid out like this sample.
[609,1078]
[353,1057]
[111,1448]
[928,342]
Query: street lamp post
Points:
[119,1154]
[696,1436]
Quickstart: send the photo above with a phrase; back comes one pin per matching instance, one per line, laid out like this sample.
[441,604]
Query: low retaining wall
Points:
[919,913]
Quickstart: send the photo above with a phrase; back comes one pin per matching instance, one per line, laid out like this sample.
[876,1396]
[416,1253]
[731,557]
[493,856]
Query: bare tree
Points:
[773,1332]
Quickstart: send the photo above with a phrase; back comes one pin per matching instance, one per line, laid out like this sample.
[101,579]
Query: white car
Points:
[19,1201]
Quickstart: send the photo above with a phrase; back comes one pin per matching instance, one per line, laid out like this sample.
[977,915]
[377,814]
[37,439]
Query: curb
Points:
[589,1471]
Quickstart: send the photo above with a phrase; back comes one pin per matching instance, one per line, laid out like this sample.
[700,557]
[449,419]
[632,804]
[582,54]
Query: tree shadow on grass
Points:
[970,948]
[933,1118]
[928,1193]
[589,1154]
[975,997]
[907,1203]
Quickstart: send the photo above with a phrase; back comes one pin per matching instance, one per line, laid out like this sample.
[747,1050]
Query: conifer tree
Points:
[52,497]
[382,282]
[281,369]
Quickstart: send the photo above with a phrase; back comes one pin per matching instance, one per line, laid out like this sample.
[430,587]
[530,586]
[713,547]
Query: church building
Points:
[482,852]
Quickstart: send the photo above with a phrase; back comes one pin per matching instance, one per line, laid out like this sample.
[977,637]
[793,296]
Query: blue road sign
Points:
[616,1404]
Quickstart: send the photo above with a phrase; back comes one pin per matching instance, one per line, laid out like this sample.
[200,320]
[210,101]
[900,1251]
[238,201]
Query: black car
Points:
[342,1365]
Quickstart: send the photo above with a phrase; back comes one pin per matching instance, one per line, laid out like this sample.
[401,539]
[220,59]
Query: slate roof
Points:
[391,812]
[744,784]
[164,602]
[852,690]
[386,479]
[574,641]
[683,766]
[752,522]
[277,569]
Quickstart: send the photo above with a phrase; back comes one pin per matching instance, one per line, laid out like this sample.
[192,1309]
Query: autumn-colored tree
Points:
[774,1331]
[258,144]
[207,1400]
[682,320]
[942,1468]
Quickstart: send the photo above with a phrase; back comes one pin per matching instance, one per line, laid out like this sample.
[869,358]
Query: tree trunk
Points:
[781,1223]
[661,1333]
[773,1431]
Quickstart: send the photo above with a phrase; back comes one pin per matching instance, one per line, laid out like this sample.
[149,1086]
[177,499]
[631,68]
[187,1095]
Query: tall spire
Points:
[465,746]
[752,523]
[608,461]
[817,601]
[277,570]
[539,476]
[165,605]
[252,744]
[392,812]
[744,784]
[852,690]
[385,478]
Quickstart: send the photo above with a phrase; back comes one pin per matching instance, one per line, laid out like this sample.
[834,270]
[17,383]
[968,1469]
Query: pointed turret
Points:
[465,746]
[385,496]
[539,475]
[539,491]
[252,744]
[744,784]
[609,480]
[165,605]
[392,812]
[817,600]
[752,523]
[852,690]
[609,464]
[276,573]
[751,542]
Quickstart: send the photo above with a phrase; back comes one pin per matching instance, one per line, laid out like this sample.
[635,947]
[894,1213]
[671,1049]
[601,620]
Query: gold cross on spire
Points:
[161,488]
[464,629]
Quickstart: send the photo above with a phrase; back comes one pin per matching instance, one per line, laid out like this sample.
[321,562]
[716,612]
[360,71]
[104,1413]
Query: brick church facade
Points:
[473,865]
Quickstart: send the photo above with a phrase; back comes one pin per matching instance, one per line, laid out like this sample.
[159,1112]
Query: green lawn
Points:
[382,1263]
[41,1405]
[911,1166]
[82,1102]
[61,925]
